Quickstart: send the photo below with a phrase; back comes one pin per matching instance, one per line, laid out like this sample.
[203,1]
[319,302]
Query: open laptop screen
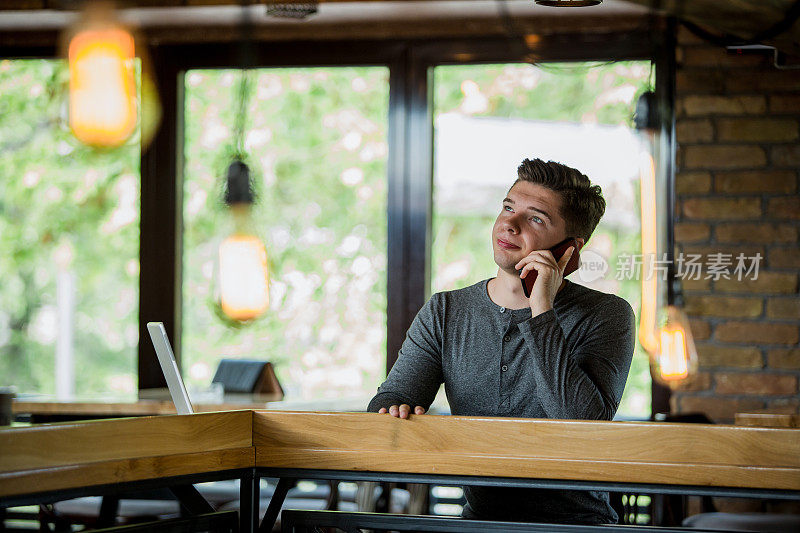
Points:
[169,367]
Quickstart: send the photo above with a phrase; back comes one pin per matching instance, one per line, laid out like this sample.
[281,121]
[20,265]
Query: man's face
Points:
[529,220]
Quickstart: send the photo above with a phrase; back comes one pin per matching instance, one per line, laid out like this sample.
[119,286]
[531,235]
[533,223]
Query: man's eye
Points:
[537,220]
[507,207]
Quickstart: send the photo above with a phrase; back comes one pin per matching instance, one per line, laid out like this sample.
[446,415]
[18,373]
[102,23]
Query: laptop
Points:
[169,367]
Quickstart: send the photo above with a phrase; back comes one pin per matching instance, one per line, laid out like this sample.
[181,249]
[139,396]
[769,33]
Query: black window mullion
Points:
[160,225]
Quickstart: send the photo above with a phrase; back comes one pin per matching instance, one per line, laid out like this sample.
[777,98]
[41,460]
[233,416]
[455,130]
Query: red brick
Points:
[756,332]
[749,232]
[787,406]
[710,355]
[785,358]
[765,283]
[701,330]
[757,129]
[708,251]
[698,382]
[784,258]
[723,306]
[786,155]
[691,131]
[716,56]
[784,308]
[785,103]
[691,232]
[783,208]
[722,208]
[692,182]
[725,156]
[763,81]
[757,383]
[696,284]
[720,410]
[697,105]
[756,181]
[699,81]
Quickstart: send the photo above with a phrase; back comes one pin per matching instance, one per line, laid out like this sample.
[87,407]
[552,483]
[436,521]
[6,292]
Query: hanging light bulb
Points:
[243,268]
[102,83]
[675,359]
[650,286]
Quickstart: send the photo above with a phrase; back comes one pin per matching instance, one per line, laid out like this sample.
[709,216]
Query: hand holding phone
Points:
[558,252]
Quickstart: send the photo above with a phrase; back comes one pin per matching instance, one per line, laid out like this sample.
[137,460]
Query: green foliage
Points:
[316,141]
[64,207]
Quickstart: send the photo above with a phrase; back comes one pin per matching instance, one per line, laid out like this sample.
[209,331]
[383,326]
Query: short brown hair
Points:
[582,204]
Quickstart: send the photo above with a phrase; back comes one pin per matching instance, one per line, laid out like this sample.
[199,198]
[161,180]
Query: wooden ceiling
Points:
[212,20]
[176,21]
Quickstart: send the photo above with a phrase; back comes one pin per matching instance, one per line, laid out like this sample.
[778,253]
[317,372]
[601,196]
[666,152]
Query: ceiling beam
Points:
[744,19]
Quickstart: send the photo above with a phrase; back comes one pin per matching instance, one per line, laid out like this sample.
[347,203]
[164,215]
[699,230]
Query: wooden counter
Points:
[112,409]
[58,456]
[51,457]
[768,420]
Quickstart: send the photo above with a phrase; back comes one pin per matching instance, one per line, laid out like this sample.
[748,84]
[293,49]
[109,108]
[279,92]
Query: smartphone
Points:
[558,252]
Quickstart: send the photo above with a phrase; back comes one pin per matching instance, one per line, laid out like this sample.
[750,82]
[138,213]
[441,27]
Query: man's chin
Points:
[505,264]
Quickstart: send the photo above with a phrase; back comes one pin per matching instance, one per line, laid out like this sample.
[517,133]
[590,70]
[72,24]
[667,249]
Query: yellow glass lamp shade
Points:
[675,359]
[243,277]
[102,86]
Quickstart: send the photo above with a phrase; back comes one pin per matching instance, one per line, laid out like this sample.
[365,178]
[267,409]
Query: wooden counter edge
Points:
[23,482]
[754,477]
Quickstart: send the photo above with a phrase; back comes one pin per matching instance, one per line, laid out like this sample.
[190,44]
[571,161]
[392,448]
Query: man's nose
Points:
[512,223]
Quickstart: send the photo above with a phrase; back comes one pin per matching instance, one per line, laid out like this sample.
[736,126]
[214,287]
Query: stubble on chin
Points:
[505,261]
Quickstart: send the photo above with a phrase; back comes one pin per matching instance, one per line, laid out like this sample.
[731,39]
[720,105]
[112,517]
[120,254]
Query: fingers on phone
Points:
[562,263]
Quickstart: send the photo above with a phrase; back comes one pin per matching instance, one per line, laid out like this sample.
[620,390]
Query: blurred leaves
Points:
[57,191]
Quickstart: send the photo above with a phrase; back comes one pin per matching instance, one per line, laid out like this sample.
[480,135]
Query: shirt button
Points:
[502,309]
[507,338]
[504,368]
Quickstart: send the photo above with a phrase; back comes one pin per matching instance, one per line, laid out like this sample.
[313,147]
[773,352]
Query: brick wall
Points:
[738,132]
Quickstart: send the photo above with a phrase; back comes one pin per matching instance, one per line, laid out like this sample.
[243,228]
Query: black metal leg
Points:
[191,500]
[109,506]
[275,504]
[248,502]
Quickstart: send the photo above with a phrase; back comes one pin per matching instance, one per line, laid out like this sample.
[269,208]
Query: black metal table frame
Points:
[194,503]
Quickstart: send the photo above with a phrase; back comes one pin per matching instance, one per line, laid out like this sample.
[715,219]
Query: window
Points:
[69,232]
[318,142]
[488,118]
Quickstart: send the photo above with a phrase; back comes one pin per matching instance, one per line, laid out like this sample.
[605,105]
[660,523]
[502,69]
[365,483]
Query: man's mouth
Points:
[507,245]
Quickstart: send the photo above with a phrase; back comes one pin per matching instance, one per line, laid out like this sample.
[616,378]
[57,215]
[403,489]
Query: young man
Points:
[563,353]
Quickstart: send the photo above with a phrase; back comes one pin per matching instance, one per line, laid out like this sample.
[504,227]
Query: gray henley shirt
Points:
[568,363]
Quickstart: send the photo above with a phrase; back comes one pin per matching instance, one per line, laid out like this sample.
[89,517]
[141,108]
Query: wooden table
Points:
[57,460]
[55,411]
[768,420]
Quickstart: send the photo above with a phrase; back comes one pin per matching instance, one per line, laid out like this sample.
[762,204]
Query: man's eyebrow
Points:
[531,208]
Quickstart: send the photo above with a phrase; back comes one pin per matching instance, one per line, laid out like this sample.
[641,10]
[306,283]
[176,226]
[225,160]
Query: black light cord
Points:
[246,63]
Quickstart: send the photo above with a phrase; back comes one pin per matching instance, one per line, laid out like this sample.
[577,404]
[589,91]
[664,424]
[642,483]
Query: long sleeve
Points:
[417,373]
[587,381]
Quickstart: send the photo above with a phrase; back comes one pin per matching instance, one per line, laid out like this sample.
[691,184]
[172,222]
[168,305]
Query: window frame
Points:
[410,156]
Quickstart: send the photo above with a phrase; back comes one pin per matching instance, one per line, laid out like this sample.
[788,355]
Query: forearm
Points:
[416,375]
